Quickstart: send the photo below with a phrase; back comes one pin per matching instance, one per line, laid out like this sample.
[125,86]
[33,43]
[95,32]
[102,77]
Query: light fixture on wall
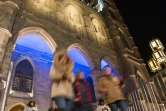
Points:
[155,45]
[154,65]
[159,57]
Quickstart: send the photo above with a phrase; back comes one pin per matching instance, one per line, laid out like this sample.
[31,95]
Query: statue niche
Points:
[74,22]
[97,27]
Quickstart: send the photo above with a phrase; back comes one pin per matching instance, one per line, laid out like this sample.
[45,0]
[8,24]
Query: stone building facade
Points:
[70,24]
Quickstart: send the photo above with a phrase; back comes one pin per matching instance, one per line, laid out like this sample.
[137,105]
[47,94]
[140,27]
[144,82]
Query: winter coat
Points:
[61,86]
[113,85]
[79,93]
[101,107]
[27,108]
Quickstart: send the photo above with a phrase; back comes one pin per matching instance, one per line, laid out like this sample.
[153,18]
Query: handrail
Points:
[149,80]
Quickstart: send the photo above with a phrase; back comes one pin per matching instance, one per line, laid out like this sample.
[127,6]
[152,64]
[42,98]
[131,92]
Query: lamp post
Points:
[156,45]
[154,65]
[7,87]
[159,57]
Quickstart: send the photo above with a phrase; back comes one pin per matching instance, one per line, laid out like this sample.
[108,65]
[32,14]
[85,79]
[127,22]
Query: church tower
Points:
[92,31]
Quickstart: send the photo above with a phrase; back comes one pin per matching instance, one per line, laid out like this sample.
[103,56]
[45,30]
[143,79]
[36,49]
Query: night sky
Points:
[146,19]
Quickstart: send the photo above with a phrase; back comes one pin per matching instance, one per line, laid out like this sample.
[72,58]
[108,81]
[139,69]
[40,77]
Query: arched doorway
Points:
[18,107]
[82,63]
[33,50]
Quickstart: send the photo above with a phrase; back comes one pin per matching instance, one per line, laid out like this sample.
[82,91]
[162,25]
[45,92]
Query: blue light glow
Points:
[77,57]
[33,46]
[103,64]
[35,42]
[80,62]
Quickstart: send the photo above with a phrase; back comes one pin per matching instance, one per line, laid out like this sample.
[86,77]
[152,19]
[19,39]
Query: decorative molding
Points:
[17,93]
[6,31]
[14,104]
[84,53]
[11,3]
[39,31]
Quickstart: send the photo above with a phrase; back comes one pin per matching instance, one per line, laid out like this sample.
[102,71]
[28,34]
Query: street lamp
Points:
[154,65]
[159,56]
[156,45]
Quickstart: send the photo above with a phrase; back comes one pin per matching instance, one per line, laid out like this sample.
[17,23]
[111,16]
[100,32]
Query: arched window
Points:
[122,36]
[112,14]
[23,77]
[90,81]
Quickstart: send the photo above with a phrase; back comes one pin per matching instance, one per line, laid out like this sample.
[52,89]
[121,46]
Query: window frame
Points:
[19,93]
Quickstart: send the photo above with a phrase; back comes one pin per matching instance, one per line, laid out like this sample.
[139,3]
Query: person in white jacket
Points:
[102,106]
[31,106]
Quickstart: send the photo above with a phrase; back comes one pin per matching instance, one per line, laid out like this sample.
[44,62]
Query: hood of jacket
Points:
[68,67]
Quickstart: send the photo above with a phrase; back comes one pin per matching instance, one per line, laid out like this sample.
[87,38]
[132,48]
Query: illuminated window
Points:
[23,77]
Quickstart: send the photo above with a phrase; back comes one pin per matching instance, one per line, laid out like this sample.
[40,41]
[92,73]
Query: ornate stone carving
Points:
[73,17]
[60,18]
[97,27]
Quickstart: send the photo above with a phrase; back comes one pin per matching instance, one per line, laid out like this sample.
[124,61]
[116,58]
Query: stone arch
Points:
[73,14]
[75,19]
[99,24]
[25,58]
[15,93]
[75,5]
[100,19]
[15,104]
[41,32]
[84,52]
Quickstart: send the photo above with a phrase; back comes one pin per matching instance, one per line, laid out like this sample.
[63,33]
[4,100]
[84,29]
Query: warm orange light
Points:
[159,56]
[154,65]
[155,45]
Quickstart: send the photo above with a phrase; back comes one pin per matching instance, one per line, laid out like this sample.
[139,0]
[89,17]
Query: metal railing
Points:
[151,96]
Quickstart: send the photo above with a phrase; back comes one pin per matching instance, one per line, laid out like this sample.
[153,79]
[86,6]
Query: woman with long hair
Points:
[31,106]
[62,80]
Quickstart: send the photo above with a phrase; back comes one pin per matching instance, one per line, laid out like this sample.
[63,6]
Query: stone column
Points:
[8,11]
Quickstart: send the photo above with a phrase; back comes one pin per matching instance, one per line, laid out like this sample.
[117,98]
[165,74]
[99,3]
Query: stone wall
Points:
[68,22]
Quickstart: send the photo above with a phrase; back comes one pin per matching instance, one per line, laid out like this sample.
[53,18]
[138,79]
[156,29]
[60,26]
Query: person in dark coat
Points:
[82,93]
